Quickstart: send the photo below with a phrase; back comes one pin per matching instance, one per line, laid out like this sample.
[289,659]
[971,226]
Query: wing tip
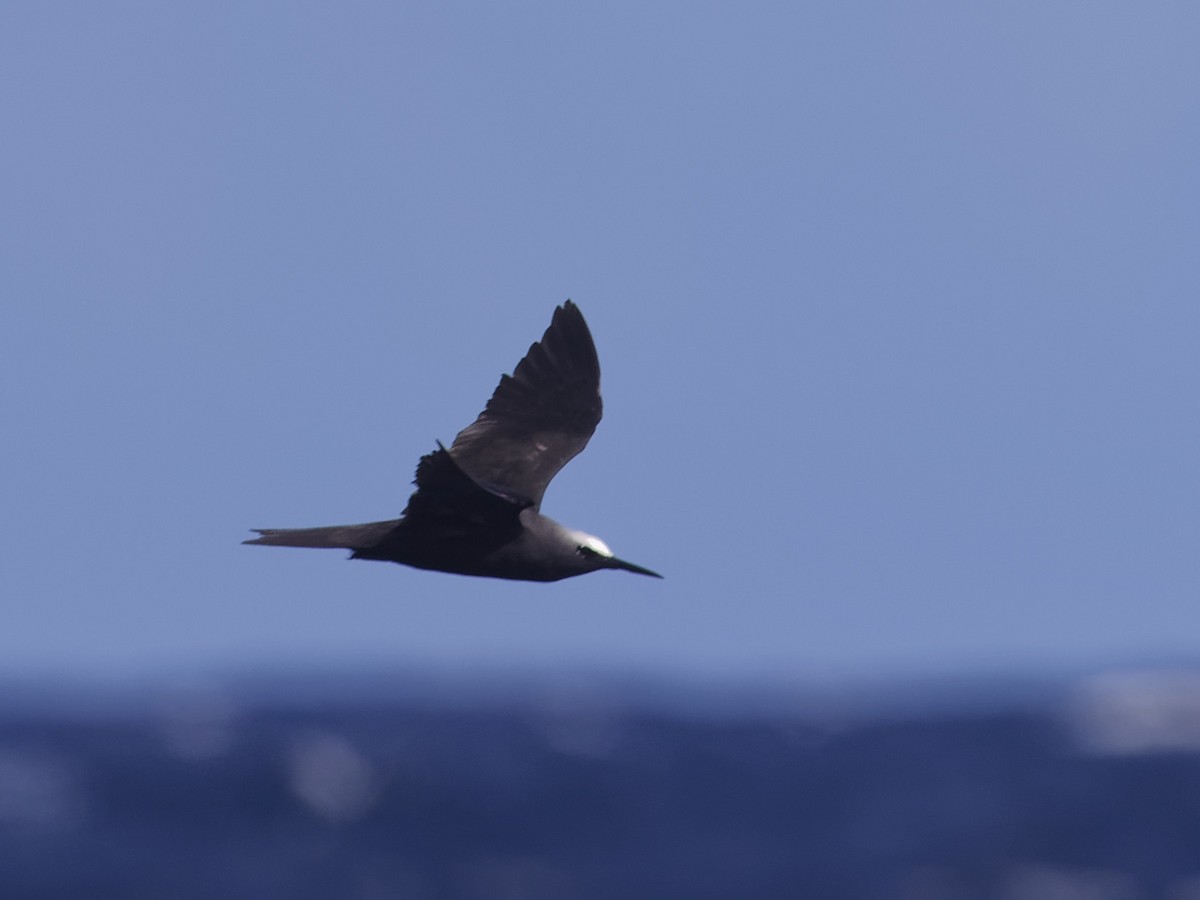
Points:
[569,309]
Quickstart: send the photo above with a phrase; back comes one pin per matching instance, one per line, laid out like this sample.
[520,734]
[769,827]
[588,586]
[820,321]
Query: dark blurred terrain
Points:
[211,793]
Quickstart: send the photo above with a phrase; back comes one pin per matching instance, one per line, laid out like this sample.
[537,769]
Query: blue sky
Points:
[896,306]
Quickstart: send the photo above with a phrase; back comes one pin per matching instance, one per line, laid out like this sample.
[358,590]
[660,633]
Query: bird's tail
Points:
[348,537]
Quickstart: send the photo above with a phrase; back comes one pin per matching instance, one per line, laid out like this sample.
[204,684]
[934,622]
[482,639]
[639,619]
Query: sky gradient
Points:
[897,309]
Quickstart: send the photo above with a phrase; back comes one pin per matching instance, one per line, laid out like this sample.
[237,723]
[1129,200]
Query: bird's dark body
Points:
[476,507]
[467,551]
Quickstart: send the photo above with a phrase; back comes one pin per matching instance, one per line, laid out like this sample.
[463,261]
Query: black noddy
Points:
[476,509]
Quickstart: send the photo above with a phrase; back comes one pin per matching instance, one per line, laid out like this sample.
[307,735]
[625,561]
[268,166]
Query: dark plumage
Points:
[476,509]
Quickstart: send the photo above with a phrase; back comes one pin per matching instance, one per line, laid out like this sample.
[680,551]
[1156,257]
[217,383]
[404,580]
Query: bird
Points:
[476,509]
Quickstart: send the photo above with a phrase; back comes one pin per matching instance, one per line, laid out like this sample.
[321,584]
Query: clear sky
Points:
[898,309]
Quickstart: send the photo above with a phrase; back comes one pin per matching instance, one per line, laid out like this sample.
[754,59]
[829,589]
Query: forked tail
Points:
[347,537]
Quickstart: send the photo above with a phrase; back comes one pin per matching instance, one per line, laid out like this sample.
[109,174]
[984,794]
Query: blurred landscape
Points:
[557,785]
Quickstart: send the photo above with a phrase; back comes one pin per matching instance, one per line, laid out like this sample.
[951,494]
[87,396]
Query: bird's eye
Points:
[585,551]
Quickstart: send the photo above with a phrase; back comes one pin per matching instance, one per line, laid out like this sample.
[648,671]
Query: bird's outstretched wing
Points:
[446,496]
[540,417]
[450,521]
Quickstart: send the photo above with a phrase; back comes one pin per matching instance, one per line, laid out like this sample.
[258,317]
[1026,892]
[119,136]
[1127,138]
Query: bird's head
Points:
[596,555]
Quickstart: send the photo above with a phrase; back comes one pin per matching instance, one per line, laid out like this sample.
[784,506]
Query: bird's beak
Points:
[614,563]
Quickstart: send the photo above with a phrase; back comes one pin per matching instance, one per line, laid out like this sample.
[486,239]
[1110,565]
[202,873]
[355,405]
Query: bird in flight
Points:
[477,506]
